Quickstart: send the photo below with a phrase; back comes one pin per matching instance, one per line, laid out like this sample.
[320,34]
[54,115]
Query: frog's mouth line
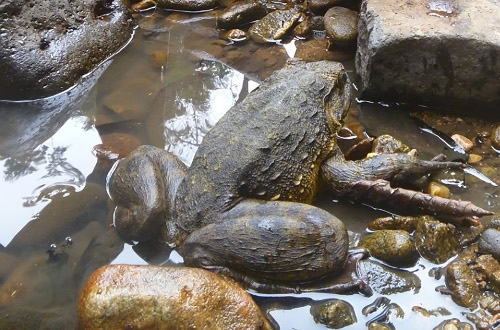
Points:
[338,102]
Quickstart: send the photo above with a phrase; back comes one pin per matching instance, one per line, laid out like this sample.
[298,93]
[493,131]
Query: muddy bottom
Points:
[168,88]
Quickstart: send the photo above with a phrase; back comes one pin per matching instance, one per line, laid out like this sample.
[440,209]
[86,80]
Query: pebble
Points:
[438,189]
[463,141]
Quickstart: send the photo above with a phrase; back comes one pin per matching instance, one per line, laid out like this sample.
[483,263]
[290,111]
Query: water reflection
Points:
[198,104]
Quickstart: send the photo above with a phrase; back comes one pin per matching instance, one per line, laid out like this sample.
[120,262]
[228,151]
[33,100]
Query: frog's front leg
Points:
[273,247]
[369,181]
[143,187]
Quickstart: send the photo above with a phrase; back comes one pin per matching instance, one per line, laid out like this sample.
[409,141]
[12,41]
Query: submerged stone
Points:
[427,54]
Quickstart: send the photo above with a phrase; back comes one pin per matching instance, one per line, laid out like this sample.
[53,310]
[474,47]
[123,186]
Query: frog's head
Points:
[338,100]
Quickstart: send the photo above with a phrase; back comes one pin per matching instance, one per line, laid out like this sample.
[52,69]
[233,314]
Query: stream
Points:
[167,88]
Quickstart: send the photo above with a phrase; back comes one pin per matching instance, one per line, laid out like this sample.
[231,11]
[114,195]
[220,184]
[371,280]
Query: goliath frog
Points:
[243,207]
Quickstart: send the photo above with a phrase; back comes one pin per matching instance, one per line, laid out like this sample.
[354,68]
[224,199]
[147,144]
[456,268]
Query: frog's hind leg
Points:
[143,186]
[273,247]
[369,181]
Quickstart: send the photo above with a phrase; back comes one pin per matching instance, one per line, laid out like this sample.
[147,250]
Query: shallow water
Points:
[167,88]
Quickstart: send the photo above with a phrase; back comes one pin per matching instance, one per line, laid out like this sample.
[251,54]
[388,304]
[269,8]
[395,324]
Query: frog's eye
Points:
[343,78]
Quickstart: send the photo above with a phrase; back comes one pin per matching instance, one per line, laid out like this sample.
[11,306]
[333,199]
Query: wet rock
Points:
[45,50]
[124,296]
[334,313]
[317,22]
[407,223]
[303,29]
[239,13]
[436,63]
[469,234]
[460,280]
[463,141]
[387,144]
[187,5]
[386,280]
[394,247]
[495,138]
[438,189]
[436,241]
[453,324]
[489,243]
[236,35]
[319,7]
[474,159]
[381,326]
[341,24]
[489,268]
[274,26]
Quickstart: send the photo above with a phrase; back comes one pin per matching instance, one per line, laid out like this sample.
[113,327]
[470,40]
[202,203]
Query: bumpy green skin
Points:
[270,146]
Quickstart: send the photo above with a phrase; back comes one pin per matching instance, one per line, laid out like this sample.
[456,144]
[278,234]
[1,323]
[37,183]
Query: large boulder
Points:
[47,46]
[152,297]
[430,52]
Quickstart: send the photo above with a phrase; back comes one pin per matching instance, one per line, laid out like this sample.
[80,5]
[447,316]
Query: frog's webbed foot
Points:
[367,181]
[143,187]
[347,281]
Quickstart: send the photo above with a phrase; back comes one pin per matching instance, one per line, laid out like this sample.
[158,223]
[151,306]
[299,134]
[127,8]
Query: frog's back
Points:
[269,146]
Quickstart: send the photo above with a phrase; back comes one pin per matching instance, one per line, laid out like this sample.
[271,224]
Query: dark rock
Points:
[436,241]
[394,247]
[187,5]
[239,13]
[495,138]
[45,48]
[334,313]
[453,324]
[341,24]
[274,26]
[387,280]
[415,53]
[460,280]
[319,7]
[489,243]
[151,297]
